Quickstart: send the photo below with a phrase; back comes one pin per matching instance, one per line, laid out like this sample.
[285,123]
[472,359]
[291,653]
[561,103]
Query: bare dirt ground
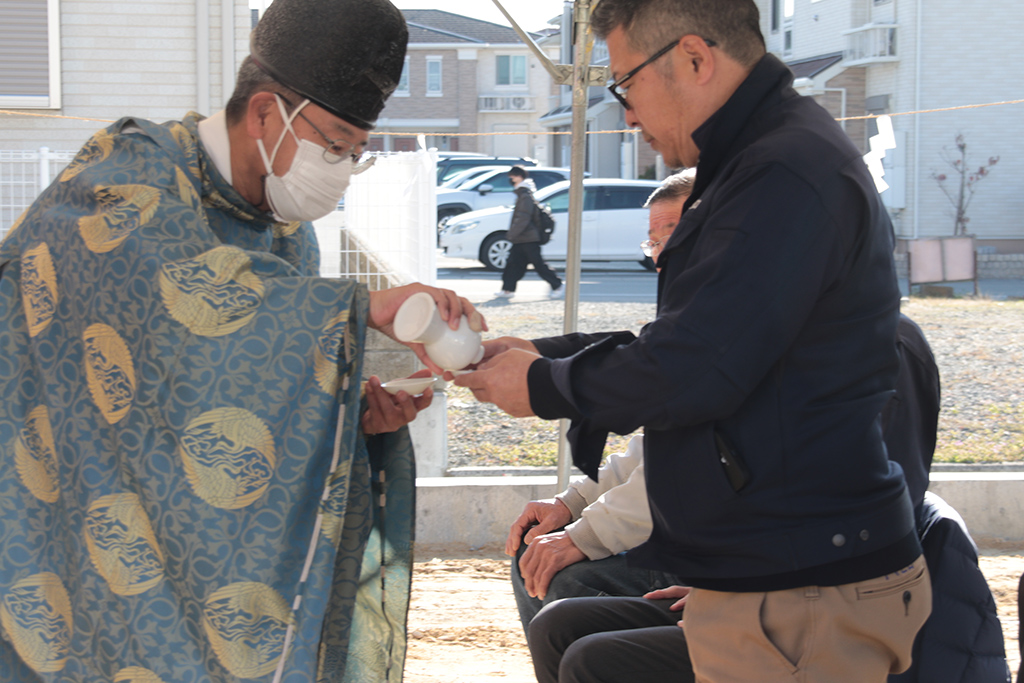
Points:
[463,624]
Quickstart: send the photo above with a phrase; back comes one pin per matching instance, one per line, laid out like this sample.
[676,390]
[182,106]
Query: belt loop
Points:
[812,592]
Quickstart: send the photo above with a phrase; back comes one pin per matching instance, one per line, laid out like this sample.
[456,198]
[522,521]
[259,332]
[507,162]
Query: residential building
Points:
[616,153]
[80,65]
[860,57]
[471,77]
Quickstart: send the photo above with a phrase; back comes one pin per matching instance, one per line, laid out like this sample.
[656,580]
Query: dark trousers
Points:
[519,256]
[609,640]
[589,578]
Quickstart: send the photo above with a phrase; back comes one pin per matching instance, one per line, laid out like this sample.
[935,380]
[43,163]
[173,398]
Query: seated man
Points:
[636,639]
[608,517]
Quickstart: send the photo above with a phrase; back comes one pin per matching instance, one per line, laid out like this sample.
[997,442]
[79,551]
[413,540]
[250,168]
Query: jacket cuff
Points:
[584,538]
[546,400]
[572,499]
[565,345]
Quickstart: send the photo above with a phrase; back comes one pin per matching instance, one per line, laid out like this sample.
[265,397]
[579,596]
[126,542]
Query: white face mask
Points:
[312,186]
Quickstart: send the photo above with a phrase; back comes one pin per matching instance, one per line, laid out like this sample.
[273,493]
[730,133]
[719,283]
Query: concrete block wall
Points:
[474,512]
[990,266]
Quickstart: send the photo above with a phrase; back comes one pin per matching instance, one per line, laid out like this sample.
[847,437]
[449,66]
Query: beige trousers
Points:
[856,633]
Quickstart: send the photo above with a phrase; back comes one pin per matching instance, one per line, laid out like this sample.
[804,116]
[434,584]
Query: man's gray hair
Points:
[675,186]
[251,80]
[649,25]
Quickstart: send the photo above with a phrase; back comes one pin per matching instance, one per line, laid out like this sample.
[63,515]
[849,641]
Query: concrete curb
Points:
[476,512]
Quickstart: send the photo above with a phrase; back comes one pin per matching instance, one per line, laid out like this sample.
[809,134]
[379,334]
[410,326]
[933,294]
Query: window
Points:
[787,26]
[30,58]
[433,76]
[624,197]
[559,202]
[511,70]
[545,178]
[403,81]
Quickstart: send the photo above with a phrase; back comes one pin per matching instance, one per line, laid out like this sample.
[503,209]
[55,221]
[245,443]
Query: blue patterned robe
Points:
[177,502]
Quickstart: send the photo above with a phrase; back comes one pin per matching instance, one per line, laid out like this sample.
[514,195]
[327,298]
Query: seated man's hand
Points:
[387,413]
[538,517]
[677,593]
[546,556]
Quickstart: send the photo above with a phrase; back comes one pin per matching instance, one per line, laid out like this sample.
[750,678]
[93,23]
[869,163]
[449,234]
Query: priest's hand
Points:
[384,304]
[388,413]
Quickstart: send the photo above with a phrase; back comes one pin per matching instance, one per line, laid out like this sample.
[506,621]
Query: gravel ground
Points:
[978,344]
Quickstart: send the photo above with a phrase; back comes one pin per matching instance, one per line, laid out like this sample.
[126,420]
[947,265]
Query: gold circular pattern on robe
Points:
[36,614]
[186,190]
[109,371]
[214,294]
[122,544]
[35,456]
[246,623]
[39,288]
[333,508]
[285,229]
[136,674]
[229,458]
[187,143]
[325,358]
[123,208]
[94,151]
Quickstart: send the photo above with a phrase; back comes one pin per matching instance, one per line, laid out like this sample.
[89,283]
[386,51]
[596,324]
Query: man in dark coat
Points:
[760,382]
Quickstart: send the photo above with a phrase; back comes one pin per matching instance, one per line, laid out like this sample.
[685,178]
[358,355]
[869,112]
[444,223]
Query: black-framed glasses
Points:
[615,88]
[336,149]
[648,247]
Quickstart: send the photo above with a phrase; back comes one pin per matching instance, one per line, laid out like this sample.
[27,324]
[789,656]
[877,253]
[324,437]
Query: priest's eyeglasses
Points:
[337,150]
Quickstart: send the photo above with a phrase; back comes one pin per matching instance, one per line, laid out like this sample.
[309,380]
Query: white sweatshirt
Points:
[612,514]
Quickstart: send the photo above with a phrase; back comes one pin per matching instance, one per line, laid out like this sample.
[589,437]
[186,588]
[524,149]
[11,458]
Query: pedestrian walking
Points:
[524,234]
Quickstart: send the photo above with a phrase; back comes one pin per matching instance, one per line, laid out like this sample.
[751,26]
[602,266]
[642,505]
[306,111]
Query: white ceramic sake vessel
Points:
[418,320]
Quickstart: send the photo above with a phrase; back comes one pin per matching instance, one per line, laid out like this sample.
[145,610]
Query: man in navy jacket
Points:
[760,383]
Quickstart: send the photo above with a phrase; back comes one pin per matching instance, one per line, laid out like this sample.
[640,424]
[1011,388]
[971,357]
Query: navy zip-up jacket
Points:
[759,384]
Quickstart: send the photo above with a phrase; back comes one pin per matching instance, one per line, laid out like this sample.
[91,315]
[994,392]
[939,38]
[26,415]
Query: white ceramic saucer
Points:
[411,385]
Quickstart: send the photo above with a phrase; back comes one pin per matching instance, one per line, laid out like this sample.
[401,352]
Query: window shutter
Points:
[24,49]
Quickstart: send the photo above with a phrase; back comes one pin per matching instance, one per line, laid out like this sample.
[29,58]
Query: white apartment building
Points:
[898,56]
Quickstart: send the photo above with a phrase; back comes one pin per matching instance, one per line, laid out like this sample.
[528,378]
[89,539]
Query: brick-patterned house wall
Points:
[417,105]
[467,100]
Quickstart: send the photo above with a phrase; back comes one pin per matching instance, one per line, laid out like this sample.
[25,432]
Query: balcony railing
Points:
[870,44]
[519,103]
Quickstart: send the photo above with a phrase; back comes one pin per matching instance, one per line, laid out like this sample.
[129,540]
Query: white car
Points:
[613,226]
[491,188]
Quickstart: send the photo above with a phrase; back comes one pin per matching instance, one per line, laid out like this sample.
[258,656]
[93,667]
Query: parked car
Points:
[450,163]
[470,173]
[613,226]
[490,188]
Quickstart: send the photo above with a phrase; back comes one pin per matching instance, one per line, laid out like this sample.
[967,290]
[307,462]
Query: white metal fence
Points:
[385,236]
[23,175]
[387,233]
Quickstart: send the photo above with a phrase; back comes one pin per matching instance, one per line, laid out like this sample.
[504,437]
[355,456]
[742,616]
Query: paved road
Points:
[598,282]
[624,281]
